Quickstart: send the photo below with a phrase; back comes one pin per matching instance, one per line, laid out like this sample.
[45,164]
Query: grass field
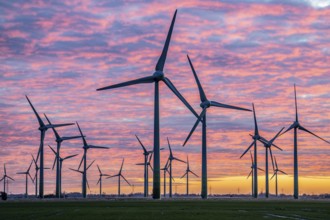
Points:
[165,209]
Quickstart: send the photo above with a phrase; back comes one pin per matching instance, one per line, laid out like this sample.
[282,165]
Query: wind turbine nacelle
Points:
[205,104]
[159,75]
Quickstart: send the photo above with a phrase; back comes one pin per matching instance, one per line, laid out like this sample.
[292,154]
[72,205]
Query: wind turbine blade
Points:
[121,167]
[98,181]
[41,123]
[264,141]
[217,104]
[256,130]
[2,178]
[52,150]
[72,137]
[171,86]
[200,88]
[306,130]
[169,146]
[271,156]
[273,176]
[10,178]
[275,163]
[54,130]
[144,149]
[90,165]
[295,101]
[274,138]
[195,126]
[150,157]
[99,169]
[152,169]
[93,146]
[88,184]
[31,178]
[70,156]
[148,79]
[249,175]
[30,166]
[162,58]
[251,158]
[182,161]
[291,127]
[76,170]
[248,149]
[82,159]
[82,135]
[183,175]
[54,163]
[140,164]
[193,173]
[126,180]
[59,125]
[21,173]
[260,169]
[282,172]
[112,176]
[35,162]
[4,168]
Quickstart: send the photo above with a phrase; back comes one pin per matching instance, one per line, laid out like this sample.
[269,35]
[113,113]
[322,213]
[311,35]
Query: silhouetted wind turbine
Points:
[59,141]
[84,180]
[84,158]
[60,160]
[146,164]
[171,158]
[27,173]
[165,169]
[187,176]
[5,177]
[296,125]
[205,104]
[157,76]
[253,166]
[120,175]
[43,128]
[275,174]
[100,179]
[268,145]
[35,178]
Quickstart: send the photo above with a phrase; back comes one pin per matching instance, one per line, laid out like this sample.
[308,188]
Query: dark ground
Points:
[165,209]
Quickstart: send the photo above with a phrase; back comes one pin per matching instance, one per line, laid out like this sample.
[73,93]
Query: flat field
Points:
[165,209]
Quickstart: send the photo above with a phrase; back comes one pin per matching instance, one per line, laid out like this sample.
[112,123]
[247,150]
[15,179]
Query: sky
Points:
[59,52]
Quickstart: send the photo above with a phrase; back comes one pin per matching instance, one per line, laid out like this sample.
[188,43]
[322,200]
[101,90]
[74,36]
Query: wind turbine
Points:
[120,175]
[187,175]
[146,164]
[275,174]
[5,177]
[165,169]
[268,145]
[60,160]
[157,76]
[43,128]
[59,141]
[27,173]
[84,158]
[84,181]
[171,158]
[35,178]
[252,172]
[205,104]
[295,126]
[100,179]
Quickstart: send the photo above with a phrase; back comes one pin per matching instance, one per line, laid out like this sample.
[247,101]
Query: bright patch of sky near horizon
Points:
[59,52]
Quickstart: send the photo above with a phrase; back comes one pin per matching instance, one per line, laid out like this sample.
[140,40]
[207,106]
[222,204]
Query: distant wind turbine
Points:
[120,175]
[205,104]
[59,141]
[84,159]
[171,158]
[60,160]
[5,178]
[100,179]
[295,126]
[187,176]
[84,181]
[35,178]
[43,128]
[165,169]
[27,173]
[275,174]
[253,167]
[157,76]
[268,145]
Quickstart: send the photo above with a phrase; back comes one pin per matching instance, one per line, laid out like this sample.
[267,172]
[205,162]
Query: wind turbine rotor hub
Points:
[159,75]
[205,104]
